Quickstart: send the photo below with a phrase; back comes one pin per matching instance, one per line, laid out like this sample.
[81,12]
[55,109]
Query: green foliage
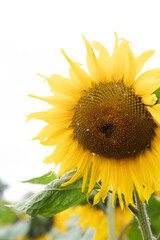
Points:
[153,209]
[39,225]
[14,231]
[134,232]
[32,227]
[45,179]
[7,215]
[54,198]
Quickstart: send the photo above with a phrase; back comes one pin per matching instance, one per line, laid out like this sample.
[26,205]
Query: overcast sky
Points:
[31,35]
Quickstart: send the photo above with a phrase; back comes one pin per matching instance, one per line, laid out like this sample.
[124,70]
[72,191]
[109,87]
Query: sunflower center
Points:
[107,129]
[110,120]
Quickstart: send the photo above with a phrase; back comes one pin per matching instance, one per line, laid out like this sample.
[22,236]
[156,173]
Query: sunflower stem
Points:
[142,218]
[102,206]
[111,218]
[133,209]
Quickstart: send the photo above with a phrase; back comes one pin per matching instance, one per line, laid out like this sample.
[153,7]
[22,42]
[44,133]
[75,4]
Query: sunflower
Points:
[106,123]
[95,218]
[92,217]
[60,220]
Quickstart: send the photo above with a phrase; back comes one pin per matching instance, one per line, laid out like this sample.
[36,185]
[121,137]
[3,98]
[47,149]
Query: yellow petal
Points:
[69,161]
[155,112]
[60,101]
[46,136]
[104,60]
[77,73]
[46,99]
[86,173]
[149,100]
[94,174]
[125,187]
[121,201]
[96,71]
[116,44]
[155,73]
[131,69]
[61,85]
[52,116]
[46,116]
[81,167]
[58,155]
[123,64]
[146,85]
[105,175]
[142,59]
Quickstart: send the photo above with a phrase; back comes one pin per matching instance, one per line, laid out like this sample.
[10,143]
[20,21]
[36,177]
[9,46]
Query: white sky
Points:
[31,35]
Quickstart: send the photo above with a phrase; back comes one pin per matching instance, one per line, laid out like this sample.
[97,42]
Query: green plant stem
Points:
[102,206]
[111,218]
[142,218]
[133,209]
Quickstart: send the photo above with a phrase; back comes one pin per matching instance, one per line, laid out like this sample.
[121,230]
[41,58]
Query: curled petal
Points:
[149,100]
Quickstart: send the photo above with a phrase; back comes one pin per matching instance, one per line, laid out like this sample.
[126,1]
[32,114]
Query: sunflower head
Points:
[94,217]
[110,120]
[105,123]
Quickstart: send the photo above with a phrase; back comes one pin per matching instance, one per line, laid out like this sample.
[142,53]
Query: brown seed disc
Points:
[110,120]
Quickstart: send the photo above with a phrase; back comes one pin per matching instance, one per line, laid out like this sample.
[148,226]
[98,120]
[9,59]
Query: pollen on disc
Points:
[110,120]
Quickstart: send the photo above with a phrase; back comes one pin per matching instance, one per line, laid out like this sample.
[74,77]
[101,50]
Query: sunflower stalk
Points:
[133,209]
[111,218]
[142,218]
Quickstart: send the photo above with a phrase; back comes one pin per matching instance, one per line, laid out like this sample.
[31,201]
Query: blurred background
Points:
[31,36]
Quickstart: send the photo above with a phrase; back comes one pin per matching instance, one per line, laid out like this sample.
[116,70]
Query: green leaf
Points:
[54,198]
[45,179]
